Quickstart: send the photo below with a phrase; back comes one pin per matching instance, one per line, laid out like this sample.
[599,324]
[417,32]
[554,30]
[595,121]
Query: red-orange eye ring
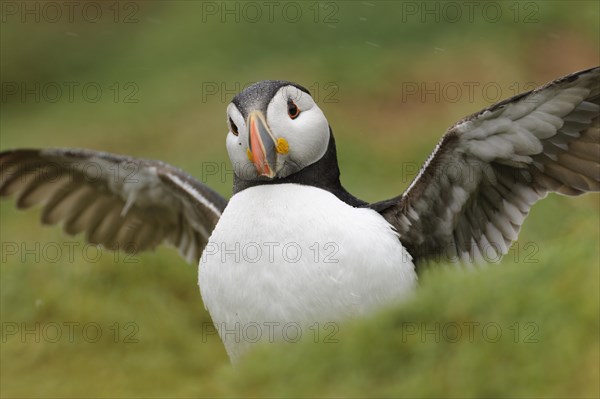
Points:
[293,110]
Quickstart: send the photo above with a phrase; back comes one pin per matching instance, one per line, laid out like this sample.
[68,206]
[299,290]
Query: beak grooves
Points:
[263,148]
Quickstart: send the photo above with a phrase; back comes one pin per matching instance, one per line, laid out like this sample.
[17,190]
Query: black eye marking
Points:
[234,128]
[293,110]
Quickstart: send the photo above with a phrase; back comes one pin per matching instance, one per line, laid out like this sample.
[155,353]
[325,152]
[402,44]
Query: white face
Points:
[296,136]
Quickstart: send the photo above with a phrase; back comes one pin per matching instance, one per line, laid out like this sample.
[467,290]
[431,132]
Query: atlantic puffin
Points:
[292,247]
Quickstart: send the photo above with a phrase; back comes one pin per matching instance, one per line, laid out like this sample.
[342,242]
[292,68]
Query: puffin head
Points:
[275,130]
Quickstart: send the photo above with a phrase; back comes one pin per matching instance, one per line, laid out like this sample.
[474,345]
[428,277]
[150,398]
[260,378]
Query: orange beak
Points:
[262,145]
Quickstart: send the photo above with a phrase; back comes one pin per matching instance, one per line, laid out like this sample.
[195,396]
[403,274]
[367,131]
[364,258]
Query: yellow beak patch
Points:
[282,146]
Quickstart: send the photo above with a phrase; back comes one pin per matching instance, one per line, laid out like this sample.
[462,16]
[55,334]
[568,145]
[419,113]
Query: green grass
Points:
[549,279]
[516,330]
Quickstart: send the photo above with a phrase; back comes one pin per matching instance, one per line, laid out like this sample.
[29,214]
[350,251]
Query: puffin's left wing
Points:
[120,202]
[470,198]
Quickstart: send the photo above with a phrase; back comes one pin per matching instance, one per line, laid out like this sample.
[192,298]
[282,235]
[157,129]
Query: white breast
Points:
[284,257]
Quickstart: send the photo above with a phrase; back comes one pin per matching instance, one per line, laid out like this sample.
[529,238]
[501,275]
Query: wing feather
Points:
[473,193]
[118,202]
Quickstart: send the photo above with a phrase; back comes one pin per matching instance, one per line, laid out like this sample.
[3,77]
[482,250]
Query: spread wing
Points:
[119,202]
[470,198]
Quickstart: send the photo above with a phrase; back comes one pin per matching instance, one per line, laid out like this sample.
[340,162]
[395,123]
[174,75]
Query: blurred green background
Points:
[152,79]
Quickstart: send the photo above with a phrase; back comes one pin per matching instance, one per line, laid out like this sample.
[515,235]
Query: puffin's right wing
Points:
[120,202]
[470,198]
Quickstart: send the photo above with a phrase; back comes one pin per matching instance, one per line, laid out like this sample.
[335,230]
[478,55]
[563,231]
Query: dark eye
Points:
[234,128]
[293,110]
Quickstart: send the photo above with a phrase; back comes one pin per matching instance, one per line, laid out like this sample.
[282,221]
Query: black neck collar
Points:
[323,174]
